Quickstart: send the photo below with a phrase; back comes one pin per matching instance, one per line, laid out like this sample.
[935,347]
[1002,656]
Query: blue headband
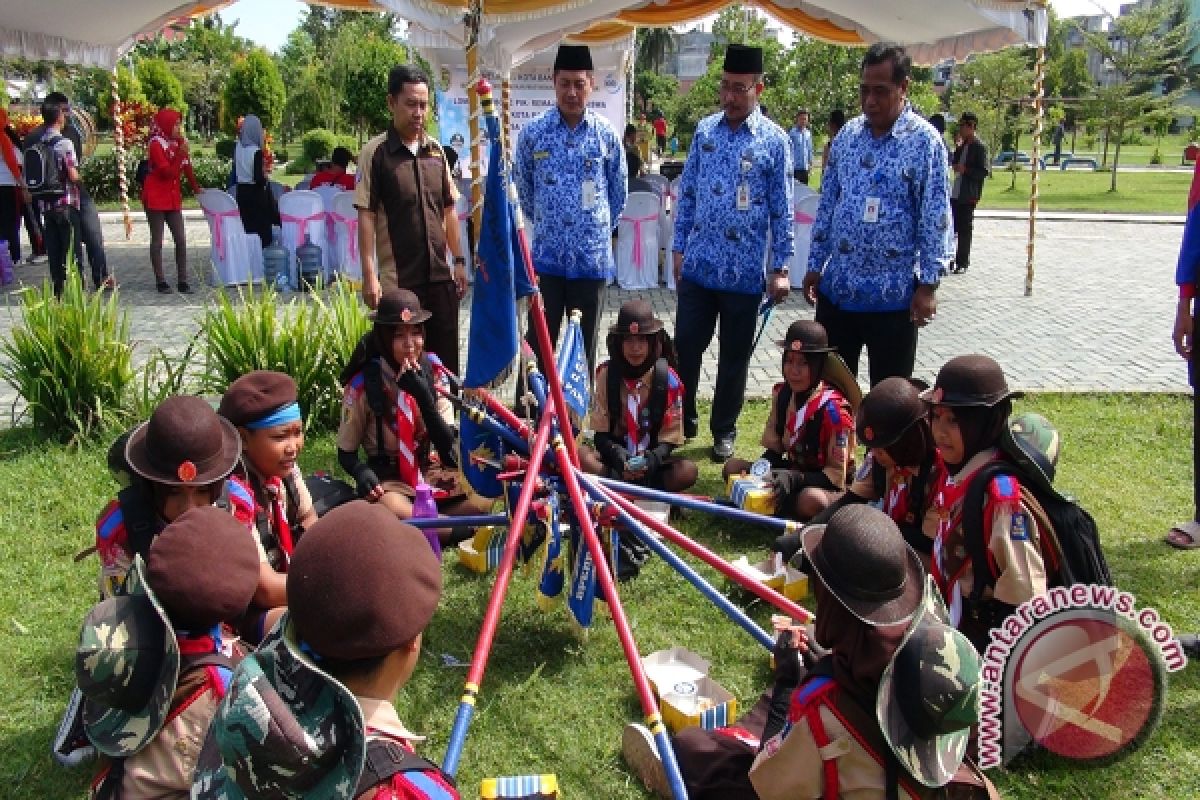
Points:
[282,416]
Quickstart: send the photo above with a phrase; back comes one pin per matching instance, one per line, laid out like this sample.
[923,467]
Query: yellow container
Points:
[520,787]
[751,494]
[701,703]
[769,572]
[795,585]
[481,553]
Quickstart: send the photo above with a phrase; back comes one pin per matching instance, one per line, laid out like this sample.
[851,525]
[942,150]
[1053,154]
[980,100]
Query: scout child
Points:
[971,403]
[901,469]
[393,410]
[150,661]
[262,405]
[310,713]
[637,413]
[809,435]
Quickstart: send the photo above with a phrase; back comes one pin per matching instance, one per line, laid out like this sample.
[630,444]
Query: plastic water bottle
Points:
[424,507]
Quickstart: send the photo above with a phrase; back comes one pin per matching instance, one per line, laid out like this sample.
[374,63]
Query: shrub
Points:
[281,155]
[224,147]
[70,359]
[212,172]
[99,174]
[318,144]
[162,377]
[301,165]
[348,141]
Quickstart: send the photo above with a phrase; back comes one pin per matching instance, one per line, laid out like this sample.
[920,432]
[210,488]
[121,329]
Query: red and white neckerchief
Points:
[797,420]
[406,439]
[896,500]
[283,531]
[950,558]
[636,441]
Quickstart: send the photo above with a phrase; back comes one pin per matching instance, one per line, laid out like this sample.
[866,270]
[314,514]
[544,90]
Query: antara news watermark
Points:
[1079,670]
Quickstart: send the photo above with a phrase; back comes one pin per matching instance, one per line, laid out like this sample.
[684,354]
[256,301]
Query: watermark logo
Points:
[612,83]
[1080,670]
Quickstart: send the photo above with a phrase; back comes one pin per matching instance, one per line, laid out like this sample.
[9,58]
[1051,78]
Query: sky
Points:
[269,23]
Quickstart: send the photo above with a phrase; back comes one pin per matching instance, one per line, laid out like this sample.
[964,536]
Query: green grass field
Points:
[552,703]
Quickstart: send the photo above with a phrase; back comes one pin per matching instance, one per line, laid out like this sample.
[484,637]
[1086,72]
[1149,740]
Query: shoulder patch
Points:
[430,784]
[1019,529]
[239,493]
[110,520]
[673,381]
[1004,489]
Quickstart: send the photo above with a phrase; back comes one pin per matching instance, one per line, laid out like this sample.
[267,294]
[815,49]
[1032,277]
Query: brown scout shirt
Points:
[163,768]
[896,486]
[840,445]
[409,195]
[672,424]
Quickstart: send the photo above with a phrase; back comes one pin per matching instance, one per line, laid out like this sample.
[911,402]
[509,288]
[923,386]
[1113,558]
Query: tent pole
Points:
[1039,108]
[119,147]
[506,115]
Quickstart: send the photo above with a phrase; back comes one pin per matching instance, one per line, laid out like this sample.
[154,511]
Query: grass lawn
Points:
[1137,192]
[551,703]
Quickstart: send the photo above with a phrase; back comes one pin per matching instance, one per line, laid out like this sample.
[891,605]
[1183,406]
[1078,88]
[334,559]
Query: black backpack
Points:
[1067,535]
[143,172]
[43,173]
[384,759]
[657,405]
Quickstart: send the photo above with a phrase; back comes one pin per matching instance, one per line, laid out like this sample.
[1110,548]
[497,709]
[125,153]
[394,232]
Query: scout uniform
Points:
[288,728]
[399,445]
[1009,529]
[150,662]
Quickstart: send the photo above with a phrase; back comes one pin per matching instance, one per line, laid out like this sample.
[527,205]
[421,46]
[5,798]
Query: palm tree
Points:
[654,45]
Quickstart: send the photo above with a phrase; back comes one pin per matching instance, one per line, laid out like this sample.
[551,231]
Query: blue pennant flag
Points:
[550,586]
[480,453]
[500,278]
[573,370]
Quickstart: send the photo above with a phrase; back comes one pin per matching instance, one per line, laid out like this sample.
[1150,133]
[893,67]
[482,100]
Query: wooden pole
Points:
[1038,118]
[506,115]
[119,148]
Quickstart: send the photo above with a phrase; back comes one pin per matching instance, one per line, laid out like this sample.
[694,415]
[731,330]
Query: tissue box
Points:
[687,696]
[660,511]
[770,572]
[481,553]
[751,494]
[520,787]
[795,585]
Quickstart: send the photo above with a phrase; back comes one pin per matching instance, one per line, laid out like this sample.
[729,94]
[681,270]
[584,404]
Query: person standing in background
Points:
[802,147]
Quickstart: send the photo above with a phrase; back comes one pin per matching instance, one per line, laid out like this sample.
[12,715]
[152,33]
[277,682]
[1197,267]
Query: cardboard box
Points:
[795,584]
[770,572]
[481,553]
[660,511]
[687,696]
[751,494]
[520,787]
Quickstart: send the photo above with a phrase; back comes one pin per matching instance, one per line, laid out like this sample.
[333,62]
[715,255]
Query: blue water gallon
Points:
[275,265]
[308,257]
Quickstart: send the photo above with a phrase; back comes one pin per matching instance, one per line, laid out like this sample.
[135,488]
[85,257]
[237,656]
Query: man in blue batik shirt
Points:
[735,196]
[802,147]
[571,178]
[879,240]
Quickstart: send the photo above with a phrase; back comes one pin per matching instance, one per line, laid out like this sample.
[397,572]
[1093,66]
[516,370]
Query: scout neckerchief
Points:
[896,499]
[635,440]
[283,531]
[405,430]
[950,558]
[796,420]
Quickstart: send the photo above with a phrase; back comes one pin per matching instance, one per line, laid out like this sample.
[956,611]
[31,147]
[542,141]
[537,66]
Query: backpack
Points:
[386,759]
[143,172]
[43,172]
[657,405]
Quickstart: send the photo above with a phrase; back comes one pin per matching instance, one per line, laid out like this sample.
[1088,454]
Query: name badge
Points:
[588,195]
[871,210]
[743,197]
[538,155]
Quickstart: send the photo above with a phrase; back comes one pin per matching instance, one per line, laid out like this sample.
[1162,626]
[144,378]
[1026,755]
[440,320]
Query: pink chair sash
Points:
[302,222]
[351,232]
[216,220]
[637,236]
[804,219]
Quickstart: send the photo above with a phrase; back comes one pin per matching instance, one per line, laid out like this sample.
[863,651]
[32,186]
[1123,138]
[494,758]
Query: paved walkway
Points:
[1099,319]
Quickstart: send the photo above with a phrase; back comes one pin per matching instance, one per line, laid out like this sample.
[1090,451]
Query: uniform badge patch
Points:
[1019,532]
[842,439]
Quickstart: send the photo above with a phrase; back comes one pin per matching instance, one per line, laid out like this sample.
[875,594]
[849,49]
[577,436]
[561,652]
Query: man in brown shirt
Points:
[406,219]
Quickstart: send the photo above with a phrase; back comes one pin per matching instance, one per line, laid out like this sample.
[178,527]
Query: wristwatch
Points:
[781,271]
[460,260]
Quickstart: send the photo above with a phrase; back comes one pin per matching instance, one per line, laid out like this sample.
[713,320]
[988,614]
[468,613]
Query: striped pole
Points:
[506,115]
[1039,92]
[119,147]
[695,503]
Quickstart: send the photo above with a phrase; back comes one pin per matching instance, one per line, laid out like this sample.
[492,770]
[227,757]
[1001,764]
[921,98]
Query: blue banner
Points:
[481,453]
[573,371]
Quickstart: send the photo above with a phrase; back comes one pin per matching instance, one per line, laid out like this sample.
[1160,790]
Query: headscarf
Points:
[250,141]
[6,148]
[859,651]
[375,343]
[164,122]
[980,427]
[914,447]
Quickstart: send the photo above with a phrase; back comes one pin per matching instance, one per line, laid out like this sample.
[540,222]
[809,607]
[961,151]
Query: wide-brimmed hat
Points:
[257,396]
[285,729]
[862,558]
[891,407]
[808,336]
[399,307]
[127,667]
[928,700]
[973,380]
[362,583]
[1033,442]
[184,443]
[635,317]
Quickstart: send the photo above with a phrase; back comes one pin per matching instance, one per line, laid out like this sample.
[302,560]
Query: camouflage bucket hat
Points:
[285,729]
[929,697]
[1034,444]
[127,667]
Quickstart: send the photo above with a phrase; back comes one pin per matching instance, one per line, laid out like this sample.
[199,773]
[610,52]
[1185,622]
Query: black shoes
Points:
[722,447]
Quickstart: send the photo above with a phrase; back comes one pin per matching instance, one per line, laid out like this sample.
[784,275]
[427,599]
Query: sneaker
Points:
[163,287]
[640,753]
[108,284]
[71,746]
[32,260]
[722,447]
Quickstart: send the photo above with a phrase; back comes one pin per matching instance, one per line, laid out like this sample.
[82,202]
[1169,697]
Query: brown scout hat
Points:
[972,380]
[891,407]
[399,307]
[203,568]
[256,395]
[861,556]
[184,443]
[636,317]
[361,583]
[808,336]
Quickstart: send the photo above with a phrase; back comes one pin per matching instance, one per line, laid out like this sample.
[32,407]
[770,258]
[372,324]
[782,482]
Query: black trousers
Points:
[10,220]
[62,228]
[92,236]
[441,330]
[964,225]
[889,336]
[695,321]
[800,175]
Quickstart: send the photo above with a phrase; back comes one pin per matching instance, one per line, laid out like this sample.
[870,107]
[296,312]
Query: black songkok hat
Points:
[743,60]
[573,57]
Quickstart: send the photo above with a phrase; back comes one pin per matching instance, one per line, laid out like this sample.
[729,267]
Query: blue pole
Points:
[696,504]
[459,522]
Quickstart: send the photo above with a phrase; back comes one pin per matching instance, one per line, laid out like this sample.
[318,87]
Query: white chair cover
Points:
[801,191]
[329,255]
[462,208]
[637,242]
[803,218]
[660,183]
[667,227]
[236,255]
[302,211]
[345,225]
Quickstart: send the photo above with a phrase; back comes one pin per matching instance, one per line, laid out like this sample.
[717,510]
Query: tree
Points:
[817,76]
[655,90]
[362,60]
[129,88]
[1141,52]
[253,87]
[654,46]
[996,88]
[160,85]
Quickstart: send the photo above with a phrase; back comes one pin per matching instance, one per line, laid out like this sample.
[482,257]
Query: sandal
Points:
[163,287]
[1184,536]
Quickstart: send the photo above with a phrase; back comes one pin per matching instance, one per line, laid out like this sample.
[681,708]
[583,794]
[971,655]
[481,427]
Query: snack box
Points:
[520,787]
[751,494]
[770,572]
[481,553]
[687,696]
[795,584]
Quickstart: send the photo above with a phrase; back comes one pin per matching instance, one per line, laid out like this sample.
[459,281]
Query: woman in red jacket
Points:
[161,195]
